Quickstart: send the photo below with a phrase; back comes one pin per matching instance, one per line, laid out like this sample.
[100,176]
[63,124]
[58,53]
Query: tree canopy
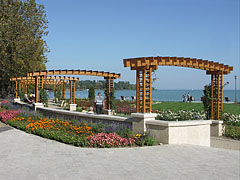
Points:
[23,25]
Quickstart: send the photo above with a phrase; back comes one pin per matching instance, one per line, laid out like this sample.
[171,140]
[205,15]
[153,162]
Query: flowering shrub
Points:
[4,104]
[145,139]
[179,115]
[125,109]
[231,119]
[7,115]
[109,140]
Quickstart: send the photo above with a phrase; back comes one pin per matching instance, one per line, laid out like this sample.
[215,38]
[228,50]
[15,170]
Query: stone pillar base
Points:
[72,107]
[217,128]
[16,100]
[36,105]
[139,121]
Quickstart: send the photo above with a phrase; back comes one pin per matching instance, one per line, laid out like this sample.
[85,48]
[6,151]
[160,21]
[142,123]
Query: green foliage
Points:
[23,25]
[232,131]
[145,140]
[21,95]
[44,97]
[57,94]
[62,95]
[91,93]
[125,133]
[101,84]
[207,100]
[112,98]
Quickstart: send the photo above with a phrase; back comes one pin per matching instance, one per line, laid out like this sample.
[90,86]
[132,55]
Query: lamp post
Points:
[235,89]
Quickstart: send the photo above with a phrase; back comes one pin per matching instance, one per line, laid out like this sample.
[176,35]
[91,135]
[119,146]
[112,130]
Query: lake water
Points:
[157,95]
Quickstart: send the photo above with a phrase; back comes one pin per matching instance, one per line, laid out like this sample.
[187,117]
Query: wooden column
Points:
[218,90]
[212,96]
[41,82]
[74,82]
[137,91]
[150,89]
[16,89]
[109,88]
[221,90]
[25,88]
[70,92]
[144,91]
[64,86]
[36,89]
[216,95]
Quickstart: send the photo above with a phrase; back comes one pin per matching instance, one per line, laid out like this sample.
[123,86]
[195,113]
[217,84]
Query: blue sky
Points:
[99,34]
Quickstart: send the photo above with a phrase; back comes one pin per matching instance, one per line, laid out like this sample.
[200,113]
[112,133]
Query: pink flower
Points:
[7,115]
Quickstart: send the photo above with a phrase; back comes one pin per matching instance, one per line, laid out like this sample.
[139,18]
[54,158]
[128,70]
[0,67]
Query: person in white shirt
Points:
[99,103]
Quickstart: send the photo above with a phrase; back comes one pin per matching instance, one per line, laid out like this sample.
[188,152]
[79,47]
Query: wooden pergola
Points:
[144,67]
[107,75]
[23,82]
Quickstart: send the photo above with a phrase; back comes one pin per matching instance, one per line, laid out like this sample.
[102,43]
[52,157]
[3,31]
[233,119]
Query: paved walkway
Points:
[25,157]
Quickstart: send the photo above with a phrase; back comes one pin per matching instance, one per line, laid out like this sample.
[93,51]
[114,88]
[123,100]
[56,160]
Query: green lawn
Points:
[176,106]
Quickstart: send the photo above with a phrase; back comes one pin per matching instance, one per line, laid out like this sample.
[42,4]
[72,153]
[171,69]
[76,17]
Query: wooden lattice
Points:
[144,67]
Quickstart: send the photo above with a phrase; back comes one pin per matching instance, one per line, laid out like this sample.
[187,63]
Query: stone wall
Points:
[195,132]
[109,120]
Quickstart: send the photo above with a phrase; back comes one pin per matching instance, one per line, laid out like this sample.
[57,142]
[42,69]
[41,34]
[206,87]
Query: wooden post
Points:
[218,90]
[64,96]
[150,90]
[42,79]
[221,89]
[16,87]
[74,82]
[70,92]
[212,96]
[109,91]
[36,89]
[144,92]
[137,91]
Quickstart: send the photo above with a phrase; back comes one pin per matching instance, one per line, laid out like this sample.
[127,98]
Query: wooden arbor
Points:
[144,67]
[23,82]
[108,76]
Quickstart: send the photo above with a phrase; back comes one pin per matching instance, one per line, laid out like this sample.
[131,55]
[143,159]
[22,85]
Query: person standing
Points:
[99,103]
[183,98]
[188,97]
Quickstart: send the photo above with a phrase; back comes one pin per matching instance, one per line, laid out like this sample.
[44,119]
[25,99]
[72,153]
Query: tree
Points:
[91,93]
[44,97]
[112,97]
[23,25]
[207,100]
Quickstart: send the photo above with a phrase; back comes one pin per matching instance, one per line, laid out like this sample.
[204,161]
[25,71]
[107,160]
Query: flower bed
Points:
[179,115]
[7,115]
[231,121]
[109,140]
[64,131]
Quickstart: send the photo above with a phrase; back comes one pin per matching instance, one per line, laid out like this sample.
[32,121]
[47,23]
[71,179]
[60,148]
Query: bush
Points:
[231,119]
[7,115]
[179,115]
[91,93]
[44,97]
[109,140]
[145,140]
[232,131]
